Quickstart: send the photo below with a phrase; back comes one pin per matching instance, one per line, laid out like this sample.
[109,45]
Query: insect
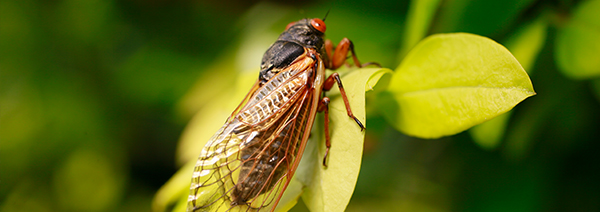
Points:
[249,162]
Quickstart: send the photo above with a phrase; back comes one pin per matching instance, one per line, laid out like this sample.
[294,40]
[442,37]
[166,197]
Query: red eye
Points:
[290,25]
[318,24]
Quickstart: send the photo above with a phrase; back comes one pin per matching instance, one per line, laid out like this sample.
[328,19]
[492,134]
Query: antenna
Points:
[326,14]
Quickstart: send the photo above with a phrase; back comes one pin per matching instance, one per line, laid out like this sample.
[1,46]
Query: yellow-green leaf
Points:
[450,82]
[212,116]
[198,132]
[88,170]
[525,45]
[577,44]
[176,189]
[330,188]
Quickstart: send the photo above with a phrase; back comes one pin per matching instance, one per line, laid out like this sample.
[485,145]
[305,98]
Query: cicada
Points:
[250,160]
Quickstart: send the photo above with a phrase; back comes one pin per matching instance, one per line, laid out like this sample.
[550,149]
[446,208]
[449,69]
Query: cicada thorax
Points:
[291,44]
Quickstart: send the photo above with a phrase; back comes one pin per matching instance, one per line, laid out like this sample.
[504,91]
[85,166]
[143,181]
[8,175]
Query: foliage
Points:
[95,94]
[446,84]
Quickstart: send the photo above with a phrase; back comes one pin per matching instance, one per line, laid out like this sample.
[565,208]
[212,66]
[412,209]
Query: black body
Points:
[289,46]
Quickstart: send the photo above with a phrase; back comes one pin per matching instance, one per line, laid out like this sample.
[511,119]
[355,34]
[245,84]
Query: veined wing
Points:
[249,162]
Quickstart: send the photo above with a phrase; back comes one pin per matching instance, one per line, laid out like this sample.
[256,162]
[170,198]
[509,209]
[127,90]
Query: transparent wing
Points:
[248,163]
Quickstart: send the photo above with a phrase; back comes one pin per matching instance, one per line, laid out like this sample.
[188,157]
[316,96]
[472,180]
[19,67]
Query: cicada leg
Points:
[335,59]
[338,57]
[324,107]
[328,84]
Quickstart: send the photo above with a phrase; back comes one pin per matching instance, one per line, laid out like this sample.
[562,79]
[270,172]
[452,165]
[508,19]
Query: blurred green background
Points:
[94,95]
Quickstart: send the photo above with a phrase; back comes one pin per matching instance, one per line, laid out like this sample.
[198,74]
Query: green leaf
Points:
[525,45]
[330,189]
[88,170]
[176,189]
[528,41]
[450,82]
[212,116]
[489,134]
[199,131]
[577,44]
[419,18]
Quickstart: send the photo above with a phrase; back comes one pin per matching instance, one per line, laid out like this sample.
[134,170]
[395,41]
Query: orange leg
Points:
[336,59]
[324,107]
[333,78]
[329,51]
[339,56]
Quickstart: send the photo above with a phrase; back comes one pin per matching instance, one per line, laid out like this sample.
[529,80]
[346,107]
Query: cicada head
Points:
[291,44]
[307,32]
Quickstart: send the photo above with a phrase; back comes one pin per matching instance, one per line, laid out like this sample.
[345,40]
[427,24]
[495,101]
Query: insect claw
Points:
[325,158]
[362,127]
